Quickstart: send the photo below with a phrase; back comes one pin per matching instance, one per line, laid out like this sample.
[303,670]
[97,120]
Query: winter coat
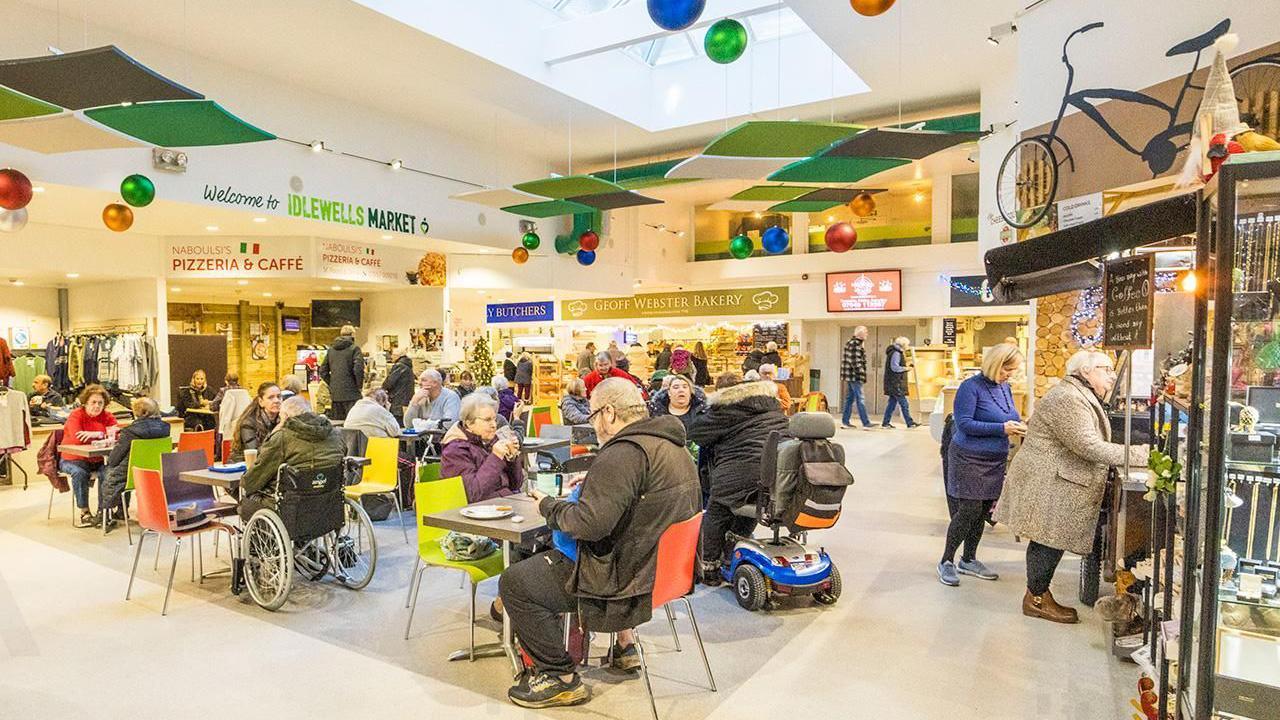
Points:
[343,370]
[47,462]
[680,362]
[484,475]
[733,428]
[399,384]
[664,360]
[509,370]
[216,405]
[306,442]
[506,402]
[524,372]
[1054,487]
[642,482]
[701,377]
[771,358]
[117,470]
[372,419]
[189,397]
[251,432]
[661,405]
[594,378]
[753,361]
[895,382]
[574,410]
[853,363]
[586,362]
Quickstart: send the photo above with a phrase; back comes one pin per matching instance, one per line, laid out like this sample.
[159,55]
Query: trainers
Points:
[947,574]
[977,569]
[627,660]
[846,426]
[541,690]
[887,426]
[709,575]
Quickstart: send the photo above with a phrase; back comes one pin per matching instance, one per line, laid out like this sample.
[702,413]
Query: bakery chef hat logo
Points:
[862,286]
[839,287]
[765,300]
[886,286]
[577,308]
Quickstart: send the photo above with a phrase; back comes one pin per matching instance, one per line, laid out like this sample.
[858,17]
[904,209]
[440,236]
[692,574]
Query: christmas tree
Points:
[481,362]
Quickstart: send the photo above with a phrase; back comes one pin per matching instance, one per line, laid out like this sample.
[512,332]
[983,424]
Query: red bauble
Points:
[588,240]
[15,189]
[841,237]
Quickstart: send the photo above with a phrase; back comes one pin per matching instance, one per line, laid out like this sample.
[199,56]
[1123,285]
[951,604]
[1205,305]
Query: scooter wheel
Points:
[832,594]
[749,587]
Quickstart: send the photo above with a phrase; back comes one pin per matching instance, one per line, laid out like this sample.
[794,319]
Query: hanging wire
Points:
[901,9]
[832,73]
[570,139]
[615,151]
[778,40]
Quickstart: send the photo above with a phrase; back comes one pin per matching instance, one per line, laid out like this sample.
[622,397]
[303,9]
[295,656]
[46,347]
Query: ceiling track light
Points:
[317,146]
[396,164]
[661,227]
[1000,32]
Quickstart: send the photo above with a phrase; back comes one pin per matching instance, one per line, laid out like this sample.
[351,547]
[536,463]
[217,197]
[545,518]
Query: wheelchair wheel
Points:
[830,596]
[749,587]
[354,549]
[268,559]
[311,560]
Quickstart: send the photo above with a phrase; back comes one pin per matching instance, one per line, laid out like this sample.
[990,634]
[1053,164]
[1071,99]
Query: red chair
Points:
[198,440]
[677,556]
[226,451]
[154,517]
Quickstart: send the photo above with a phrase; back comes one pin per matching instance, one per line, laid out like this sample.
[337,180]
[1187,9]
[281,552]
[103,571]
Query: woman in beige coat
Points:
[1054,488]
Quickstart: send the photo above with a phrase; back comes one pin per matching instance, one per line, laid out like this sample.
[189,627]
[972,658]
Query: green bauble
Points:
[725,41]
[531,241]
[741,247]
[138,190]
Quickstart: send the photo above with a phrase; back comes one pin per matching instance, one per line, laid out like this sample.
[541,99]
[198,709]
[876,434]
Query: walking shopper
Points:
[1057,479]
[853,372]
[985,418]
[343,370]
[524,377]
[895,381]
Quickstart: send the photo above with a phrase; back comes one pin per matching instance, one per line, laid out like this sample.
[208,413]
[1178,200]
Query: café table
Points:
[91,451]
[229,481]
[509,533]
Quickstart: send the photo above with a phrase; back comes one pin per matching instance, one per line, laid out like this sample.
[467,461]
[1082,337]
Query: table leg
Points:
[507,635]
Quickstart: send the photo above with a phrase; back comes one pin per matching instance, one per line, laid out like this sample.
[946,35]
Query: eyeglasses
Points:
[600,409]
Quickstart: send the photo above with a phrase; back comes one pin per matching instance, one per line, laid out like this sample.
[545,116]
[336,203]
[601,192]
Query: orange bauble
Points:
[870,8]
[520,256]
[863,205]
[117,217]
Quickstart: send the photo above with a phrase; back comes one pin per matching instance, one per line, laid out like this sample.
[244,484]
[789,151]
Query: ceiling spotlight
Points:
[73,276]
[918,196]
[831,218]
[175,289]
[259,219]
[1001,31]
[335,288]
[679,233]
[242,282]
[757,215]
[38,189]
[212,228]
[317,145]
[396,164]
[19,283]
[991,39]
[266,294]
[386,237]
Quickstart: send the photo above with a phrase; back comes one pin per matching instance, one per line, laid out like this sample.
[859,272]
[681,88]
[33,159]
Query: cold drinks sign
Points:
[864,291]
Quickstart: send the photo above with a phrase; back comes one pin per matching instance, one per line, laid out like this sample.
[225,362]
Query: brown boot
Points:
[1070,611]
[1043,606]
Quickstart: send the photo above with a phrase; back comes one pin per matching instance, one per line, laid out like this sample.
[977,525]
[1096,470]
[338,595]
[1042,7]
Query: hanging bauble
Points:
[138,190]
[863,205]
[841,237]
[12,221]
[15,189]
[676,14]
[871,8]
[520,256]
[567,244]
[589,240]
[531,241]
[725,41]
[117,217]
[775,240]
[586,257]
[741,247]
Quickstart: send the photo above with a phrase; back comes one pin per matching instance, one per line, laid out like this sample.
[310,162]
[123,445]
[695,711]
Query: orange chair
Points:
[153,516]
[539,415]
[198,440]
[677,555]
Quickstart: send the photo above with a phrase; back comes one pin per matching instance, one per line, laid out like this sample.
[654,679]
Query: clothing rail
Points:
[119,329]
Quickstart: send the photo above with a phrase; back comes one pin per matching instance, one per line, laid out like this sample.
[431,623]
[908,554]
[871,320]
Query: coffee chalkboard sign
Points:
[1128,284]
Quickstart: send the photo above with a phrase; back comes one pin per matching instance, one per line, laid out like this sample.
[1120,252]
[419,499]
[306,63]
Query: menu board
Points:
[949,332]
[864,291]
[1128,284]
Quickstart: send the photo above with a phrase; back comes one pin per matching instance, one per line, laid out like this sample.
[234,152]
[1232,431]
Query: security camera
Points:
[973,156]
[805,276]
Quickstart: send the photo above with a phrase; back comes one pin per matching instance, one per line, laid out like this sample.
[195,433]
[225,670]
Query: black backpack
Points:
[811,482]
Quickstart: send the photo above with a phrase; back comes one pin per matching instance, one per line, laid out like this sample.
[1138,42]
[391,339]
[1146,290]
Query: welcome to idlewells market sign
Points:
[322,209]
[692,303]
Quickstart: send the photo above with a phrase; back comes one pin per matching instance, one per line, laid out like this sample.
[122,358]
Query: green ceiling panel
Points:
[804,206]
[968,123]
[654,182]
[779,139]
[635,177]
[179,123]
[15,105]
[550,208]
[773,193]
[835,169]
[568,186]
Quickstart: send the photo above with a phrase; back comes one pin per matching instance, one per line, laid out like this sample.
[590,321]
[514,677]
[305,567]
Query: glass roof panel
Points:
[570,9]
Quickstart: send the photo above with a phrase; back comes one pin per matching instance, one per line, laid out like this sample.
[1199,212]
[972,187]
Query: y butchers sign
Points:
[1127,307]
[520,312]
[694,303]
[322,209]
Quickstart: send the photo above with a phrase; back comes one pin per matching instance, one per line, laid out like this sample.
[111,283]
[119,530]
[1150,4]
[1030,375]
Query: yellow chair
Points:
[381,476]
[433,497]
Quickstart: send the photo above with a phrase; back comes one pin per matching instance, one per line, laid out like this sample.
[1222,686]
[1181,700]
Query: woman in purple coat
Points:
[489,467]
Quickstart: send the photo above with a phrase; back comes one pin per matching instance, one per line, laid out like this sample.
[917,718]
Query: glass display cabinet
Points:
[1228,636]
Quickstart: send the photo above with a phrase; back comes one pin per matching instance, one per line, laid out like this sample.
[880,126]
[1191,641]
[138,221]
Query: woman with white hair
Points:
[1054,490]
[303,440]
[895,381]
[489,467]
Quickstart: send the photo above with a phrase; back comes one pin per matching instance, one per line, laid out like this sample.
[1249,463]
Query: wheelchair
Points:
[313,531]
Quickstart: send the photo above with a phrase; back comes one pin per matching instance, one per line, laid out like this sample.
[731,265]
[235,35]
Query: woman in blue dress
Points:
[985,419]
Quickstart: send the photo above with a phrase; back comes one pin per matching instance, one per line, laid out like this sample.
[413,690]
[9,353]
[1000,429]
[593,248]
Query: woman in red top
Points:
[86,423]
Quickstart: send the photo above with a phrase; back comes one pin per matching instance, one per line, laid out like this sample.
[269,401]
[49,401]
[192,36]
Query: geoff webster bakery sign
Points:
[692,303]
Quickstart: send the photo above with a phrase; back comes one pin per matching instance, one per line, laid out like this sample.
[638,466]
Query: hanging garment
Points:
[75,363]
[89,360]
[6,363]
[15,420]
[55,363]
[106,368]
[25,370]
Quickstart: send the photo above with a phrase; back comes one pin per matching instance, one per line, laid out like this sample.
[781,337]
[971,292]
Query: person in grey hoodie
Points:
[372,416]
[343,370]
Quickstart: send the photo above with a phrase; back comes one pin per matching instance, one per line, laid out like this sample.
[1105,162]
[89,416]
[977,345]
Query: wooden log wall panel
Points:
[281,346]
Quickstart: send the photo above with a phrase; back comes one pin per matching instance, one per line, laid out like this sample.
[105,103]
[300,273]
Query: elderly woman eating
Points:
[489,467]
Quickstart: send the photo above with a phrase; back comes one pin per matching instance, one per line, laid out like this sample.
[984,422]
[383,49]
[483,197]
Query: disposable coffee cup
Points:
[250,457]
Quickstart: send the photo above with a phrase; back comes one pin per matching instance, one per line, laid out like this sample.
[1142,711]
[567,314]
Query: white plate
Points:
[487,512]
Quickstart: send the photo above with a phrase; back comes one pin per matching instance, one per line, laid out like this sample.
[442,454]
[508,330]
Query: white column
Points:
[941,210]
[161,391]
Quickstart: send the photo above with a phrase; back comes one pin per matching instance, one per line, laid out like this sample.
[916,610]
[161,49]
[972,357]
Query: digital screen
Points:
[335,313]
[864,291]
[290,324]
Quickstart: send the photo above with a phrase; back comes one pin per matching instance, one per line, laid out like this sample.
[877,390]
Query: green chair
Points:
[433,497]
[143,454]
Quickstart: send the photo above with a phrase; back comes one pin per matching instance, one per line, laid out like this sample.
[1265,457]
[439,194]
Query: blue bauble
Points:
[775,240]
[676,14]
[586,257]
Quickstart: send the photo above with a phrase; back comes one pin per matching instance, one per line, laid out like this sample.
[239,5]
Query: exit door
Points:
[879,337]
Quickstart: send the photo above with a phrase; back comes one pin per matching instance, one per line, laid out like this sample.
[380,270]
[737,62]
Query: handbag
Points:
[462,547]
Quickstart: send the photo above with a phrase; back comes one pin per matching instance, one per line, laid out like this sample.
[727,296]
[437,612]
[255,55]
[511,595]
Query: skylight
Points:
[570,9]
[686,45]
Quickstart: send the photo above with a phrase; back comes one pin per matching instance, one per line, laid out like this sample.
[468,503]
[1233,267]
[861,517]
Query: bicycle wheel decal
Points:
[1257,88]
[1027,183]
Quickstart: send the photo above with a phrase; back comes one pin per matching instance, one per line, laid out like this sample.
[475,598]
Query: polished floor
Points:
[897,645]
